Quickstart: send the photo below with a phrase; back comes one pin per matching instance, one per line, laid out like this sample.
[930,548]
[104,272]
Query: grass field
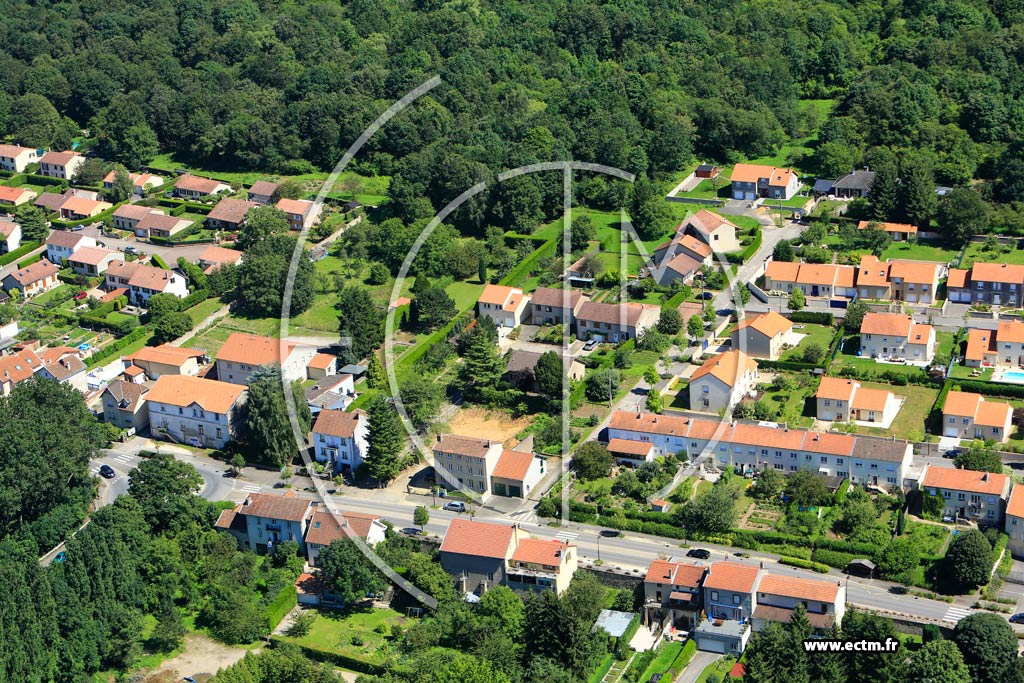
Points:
[203,309]
[342,631]
[797,408]
[977,253]
[919,251]
[848,357]
[914,411]
[822,335]
[667,653]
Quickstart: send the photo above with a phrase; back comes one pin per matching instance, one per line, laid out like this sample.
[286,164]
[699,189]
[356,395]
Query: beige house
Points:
[15,196]
[1015,522]
[466,463]
[229,214]
[262,192]
[155,361]
[975,496]
[723,381]
[124,405]
[60,164]
[712,229]
[845,400]
[899,232]
[141,182]
[555,306]
[915,282]
[754,181]
[824,280]
[92,261]
[10,235]
[538,564]
[615,322]
[33,279]
[15,158]
[969,416]
[127,216]
[894,336]
[300,213]
[243,353]
[156,224]
[981,349]
[506,306]
[762,336]
[195,411]
[79,208]
[1003,346]
[324,528]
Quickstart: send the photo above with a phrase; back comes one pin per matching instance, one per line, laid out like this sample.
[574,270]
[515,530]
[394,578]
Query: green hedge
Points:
[834,558]
[804,564]
[840,494]
[634,626]
[111,350]
[748,251]
[12,256]
[196,297]
[282,604]
[190,207]
[989,388]
[30,260]
[796,366]
[335,658]
[814,317]
[521,273]
[159,262]
[684,657]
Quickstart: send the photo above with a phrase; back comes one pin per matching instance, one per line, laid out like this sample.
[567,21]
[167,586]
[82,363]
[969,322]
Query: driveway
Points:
[754,266]
[191,252]
[701,660]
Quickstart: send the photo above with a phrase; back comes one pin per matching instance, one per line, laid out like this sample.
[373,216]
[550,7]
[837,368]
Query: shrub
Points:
[804,564]
[814,317]
[281,605]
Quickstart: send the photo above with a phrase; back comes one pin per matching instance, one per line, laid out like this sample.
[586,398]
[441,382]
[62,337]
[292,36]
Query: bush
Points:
[814,317]
[13,256]
[335,658]
[113,349]
[834,558]
[281,605]
[804,564]
[196,297]
[159,262]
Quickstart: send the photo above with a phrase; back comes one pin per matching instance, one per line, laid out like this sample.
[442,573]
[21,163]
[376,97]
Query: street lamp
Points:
[598,546]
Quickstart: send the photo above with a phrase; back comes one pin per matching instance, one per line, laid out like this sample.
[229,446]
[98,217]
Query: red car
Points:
[80,296]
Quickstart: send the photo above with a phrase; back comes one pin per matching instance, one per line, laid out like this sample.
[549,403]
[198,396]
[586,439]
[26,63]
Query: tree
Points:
[592,461]
[506,608]
[874,667]
[34,122]
[917,189]
[969,559]
[385,439]
[33,223]
[654,402]
[422,398]
[165,488]
[376,378]
[170,628]
[122,188]
[669,322]
[939,661]
[649,211]
[797,300]
[421,516]
[361,323]
[378,274]
[237,463]
[804,488]
[261,223]
[783,251]
[482,367]
[695,327]
[979,458]
[899,556]
[171,326]
[122,133]
[269,435]
[600,386]
[262,275]
[813,353]
[622,358]
[90,173]
[988,645]
[350,573]
[884,188]
[713,511]
[962,214]
[581,232]
[548,373]
[433,308]
[855,313]
[770,483]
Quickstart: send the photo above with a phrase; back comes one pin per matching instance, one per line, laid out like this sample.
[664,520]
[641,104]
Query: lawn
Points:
[822,335]
[848,357]
[919,251]
[795,409]
[200,311]
[1007,254]
[667,654]
[717,671]
[964,372]
[342,631]
[57,292]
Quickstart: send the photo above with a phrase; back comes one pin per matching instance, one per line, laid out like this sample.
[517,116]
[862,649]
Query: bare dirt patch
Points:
[202,655]
[488,424]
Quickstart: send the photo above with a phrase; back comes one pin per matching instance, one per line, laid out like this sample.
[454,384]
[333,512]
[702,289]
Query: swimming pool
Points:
[1015,376]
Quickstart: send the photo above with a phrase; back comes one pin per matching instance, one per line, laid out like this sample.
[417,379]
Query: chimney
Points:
[438,438]
[985,477]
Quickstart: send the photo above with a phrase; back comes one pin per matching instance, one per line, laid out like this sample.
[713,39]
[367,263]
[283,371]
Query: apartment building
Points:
[339,439]
[193,410]
[1014,526]
[466,463]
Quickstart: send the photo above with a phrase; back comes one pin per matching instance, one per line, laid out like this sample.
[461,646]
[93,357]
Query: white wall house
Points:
[195,411]
[339,439]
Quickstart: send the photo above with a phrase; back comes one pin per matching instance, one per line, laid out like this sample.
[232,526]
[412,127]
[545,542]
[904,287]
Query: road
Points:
[754,266]
[169,254]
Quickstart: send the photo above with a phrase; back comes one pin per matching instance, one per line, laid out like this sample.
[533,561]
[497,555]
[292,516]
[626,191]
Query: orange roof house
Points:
[478,539]
[969,416]
[186,390]
[505,305]
[970,481]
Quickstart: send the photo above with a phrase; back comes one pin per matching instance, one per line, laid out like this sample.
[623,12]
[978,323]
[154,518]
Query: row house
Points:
[243,353]
[615,322]
[723,381]
[915,282]
[968,495]
[752,447]
[840,399]
[673,598]
[996,284]
[482,555]
[894,336]
[33,279]
[813,279]
[300,213]
[16,368]
[339,439]
[753,181]
[763,335]
[193,187]
[967,415]
[1003,346]
[61,164]
[506,306]
[16,158]
[555,306]
[61,244]
[141,182]
[196,411]
[465,463]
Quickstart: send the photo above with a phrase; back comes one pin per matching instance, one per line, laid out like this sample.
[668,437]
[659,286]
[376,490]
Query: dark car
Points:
[107,472]
[611,533]
[699,553]
[411,531]
[705,296]
[1017,618]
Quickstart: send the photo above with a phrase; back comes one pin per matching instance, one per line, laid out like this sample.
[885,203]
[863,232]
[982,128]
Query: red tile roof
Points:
[630,447]
[727,367]
[965,480]
[251,349]
[537,551]
[482,539]
[675,573]
[1016,505]
[338,423]
[817,590]
[513,465]
[287,507]
[731,576]
[184,390]
[465,445]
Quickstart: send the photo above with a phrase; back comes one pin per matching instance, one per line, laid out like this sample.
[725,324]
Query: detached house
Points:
[300,213]
[92,261]
[15,196]
[157,224]
[506,306]
[996,284]
[10,236]
[752,181]
[33,279]
[763,336]
[156,361]
[61,244]
[242,353]
[265,519]
[477,553]
[899,232]
[262,192]
[142,281]
[778,596]
[1014,526]
[974,496]
[1003,346]
[80,208]
[15,158]
[723,381]
[324,528]
[896,336]
[17,368]
[681,258]
[127,216]
[845,400]
[193,187]
[229,214]
[615,322]
[214,257]
[339,439]
[970,416]
[464,462]
[61,164]
[853,185]
[64,364]
[141,182]
[124,405]
[555,306]
[981,349]
[712,229]
[197,411]
[673,595]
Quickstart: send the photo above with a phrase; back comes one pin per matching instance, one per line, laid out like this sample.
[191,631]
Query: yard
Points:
[909,422]
[820,335]
[352,633]
[1006,254]
[795,404]
[919,251]
[847,357]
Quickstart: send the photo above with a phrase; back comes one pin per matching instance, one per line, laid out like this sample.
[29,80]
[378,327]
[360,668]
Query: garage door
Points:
[911,298]
[750,195]
[951,431]
[515,491]
[711,645]
[738,194]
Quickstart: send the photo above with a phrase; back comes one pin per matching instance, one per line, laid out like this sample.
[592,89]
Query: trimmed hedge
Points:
[748,251]
[12,256]
[30,260]
[335,658]
[159,262]
[834,558]
[521,273]
[804,564]
[815,317]
[840,494]
[989,388]
[281,605]
[114,349]
[195,298]
[796,366]
[190,207]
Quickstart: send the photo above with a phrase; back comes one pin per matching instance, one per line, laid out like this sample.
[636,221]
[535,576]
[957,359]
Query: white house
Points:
[516,473]
[339,439]
[504,305]
[845,400]
[969,416]
[144,281]
[466,463]
[15,158]
[193,187]
[896,336]
[10,235]
[194,410]
[61,244]
[324,528]
[92,261]
[723,381]
[242,353]
[60,164]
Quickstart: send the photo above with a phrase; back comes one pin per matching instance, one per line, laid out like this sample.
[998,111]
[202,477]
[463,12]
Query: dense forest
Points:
[645,86]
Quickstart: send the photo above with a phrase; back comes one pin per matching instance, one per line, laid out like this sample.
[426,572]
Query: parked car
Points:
[80,296]
[411,531]
[590,345]
[107,472]
[699,553]
[1017,618]
[611,533]
[455,506]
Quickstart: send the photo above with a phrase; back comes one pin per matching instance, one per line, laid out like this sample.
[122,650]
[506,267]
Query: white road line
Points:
[567,536]
[955,614]
[249,488]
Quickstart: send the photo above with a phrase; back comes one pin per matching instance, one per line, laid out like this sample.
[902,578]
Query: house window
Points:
[714,595]
[735,599]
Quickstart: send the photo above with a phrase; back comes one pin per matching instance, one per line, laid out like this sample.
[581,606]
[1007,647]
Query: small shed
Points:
[864,568]
[707,171]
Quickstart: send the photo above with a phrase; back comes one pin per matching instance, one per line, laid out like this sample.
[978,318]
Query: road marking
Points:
[250,488]
[122,457]
[94,470]
[567,536]
[955,614]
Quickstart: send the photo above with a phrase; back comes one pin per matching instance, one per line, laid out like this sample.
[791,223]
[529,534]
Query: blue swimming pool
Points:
[1016,376]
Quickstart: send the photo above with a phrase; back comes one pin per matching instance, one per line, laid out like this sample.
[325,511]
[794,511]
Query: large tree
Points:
[262,275]
[969,559]
[549,374]
[386,439]
[269,436]
[988,645]
[482,367]
[361,323]
[592,461]
[713,511]
[432,308]
[649,211]
[917,197]
[350,573]
[980,458]
[165,489]
[962,214]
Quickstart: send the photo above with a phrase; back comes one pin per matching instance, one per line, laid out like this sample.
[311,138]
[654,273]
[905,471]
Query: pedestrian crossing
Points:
[955,614]
[121,457]
[251,488]
[567,536]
